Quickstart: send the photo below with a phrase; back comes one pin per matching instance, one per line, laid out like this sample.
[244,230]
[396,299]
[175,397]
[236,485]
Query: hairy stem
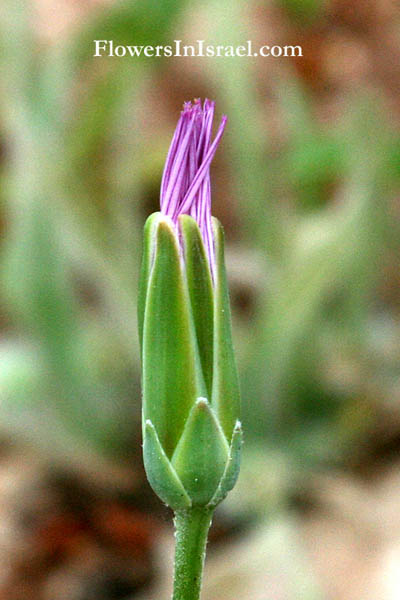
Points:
[191,527]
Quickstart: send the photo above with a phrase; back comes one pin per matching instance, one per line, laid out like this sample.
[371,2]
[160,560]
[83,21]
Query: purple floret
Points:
[185,186]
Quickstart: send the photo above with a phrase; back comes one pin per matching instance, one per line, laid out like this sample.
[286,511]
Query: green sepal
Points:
[225,398]
[160,473]
[232,468]
[149,235]
[202,453]
[172,377]
[200,287]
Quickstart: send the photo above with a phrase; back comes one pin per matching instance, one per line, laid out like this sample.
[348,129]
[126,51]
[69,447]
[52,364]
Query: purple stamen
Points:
[185,186]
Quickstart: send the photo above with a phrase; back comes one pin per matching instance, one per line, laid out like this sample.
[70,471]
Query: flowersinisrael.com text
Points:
[198,49]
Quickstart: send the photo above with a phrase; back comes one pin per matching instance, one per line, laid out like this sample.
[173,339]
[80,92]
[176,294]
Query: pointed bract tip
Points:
[202,402]
[166,220]
[166,226]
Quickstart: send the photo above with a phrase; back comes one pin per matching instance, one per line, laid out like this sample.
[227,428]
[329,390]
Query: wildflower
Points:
[191,434]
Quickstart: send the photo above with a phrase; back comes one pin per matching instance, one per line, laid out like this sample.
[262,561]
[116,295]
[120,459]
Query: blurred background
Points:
[307,184]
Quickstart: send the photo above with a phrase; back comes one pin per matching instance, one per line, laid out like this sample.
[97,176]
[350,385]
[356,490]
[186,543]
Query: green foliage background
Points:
[305,182]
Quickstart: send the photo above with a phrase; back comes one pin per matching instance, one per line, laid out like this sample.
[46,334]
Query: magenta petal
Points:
[185,186]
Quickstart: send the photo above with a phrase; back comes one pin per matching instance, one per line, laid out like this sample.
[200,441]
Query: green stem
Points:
[191,527]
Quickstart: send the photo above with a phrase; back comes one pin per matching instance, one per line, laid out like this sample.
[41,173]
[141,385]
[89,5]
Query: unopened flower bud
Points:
[191,433]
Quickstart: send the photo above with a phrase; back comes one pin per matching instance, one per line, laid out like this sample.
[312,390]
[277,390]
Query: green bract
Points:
[191,434]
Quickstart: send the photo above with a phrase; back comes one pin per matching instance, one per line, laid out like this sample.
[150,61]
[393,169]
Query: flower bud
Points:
[191,435]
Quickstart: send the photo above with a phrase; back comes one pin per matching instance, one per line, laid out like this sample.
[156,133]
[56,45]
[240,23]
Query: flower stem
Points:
[191,527]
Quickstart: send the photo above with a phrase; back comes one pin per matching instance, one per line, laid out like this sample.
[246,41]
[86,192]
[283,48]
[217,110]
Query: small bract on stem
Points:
[191,433]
